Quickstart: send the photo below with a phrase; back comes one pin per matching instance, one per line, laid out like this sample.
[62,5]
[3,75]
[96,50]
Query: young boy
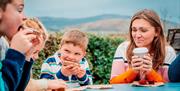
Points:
[68,63]
[14,66]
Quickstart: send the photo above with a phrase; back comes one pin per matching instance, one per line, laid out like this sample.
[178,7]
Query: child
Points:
[145,31]
[68,63]
[39,84]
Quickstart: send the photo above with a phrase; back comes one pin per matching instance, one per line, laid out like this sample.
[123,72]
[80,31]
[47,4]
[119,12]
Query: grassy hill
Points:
[102,23]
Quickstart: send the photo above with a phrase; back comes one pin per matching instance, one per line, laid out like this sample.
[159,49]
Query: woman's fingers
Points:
[139,63]
[147,63]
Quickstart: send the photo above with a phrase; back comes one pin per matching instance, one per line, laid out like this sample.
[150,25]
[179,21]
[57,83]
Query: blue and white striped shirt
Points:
[51,69]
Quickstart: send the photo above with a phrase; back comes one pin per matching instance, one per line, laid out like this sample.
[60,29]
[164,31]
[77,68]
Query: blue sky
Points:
[87,8]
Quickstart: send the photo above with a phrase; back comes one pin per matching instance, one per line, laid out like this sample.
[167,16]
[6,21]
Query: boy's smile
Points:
[71,52]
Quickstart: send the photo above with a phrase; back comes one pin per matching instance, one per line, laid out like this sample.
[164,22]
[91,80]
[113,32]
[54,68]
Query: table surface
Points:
[129,87]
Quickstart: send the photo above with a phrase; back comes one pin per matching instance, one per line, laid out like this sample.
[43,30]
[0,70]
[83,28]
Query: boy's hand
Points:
[79,72]
[66,70]
[73,68]
[76,69]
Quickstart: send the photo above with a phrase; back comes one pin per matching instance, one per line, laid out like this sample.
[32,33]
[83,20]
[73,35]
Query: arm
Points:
[14,60]
[154,76]
[12,69]
[87,78]
[44,85]
[174,70]
[60,75]
[126,77]
[119,65]
[169,58]
[25,75]
[45,72]
[162,74]
[37,85]
[46,69]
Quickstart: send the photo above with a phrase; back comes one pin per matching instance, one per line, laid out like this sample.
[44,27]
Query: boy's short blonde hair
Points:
[76,37]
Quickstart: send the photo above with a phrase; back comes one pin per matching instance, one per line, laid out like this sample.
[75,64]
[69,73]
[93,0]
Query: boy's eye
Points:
[67,51]
[77,54]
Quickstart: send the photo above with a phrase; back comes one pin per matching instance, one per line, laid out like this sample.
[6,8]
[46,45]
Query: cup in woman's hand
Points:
[140,52]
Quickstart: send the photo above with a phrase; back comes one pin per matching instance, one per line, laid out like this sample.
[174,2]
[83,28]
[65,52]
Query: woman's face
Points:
[142,33]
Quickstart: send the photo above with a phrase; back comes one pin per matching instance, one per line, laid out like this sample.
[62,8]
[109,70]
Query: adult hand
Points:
[56,84]
[22,41]
[147,63]
[136,63]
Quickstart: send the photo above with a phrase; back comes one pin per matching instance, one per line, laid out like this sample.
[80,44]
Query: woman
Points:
[145,31]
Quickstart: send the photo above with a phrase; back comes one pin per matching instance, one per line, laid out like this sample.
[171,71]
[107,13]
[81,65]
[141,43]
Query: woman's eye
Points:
[134,30]
[144,30]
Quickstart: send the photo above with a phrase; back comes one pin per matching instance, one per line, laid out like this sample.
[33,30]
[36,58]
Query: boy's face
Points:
[72,53]
[11,18]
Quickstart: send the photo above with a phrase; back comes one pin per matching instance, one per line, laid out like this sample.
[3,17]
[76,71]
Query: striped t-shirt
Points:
[120,64]
[51,69]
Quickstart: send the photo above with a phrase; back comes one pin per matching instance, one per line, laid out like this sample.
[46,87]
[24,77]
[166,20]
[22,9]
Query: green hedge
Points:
[100,54]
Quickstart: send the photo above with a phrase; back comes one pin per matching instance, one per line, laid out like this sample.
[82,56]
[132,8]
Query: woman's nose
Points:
[138,34]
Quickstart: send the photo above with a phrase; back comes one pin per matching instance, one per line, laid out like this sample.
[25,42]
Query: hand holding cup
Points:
[138,60]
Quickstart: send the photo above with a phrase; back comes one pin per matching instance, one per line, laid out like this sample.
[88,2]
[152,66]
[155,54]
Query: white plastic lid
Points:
[140,50]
